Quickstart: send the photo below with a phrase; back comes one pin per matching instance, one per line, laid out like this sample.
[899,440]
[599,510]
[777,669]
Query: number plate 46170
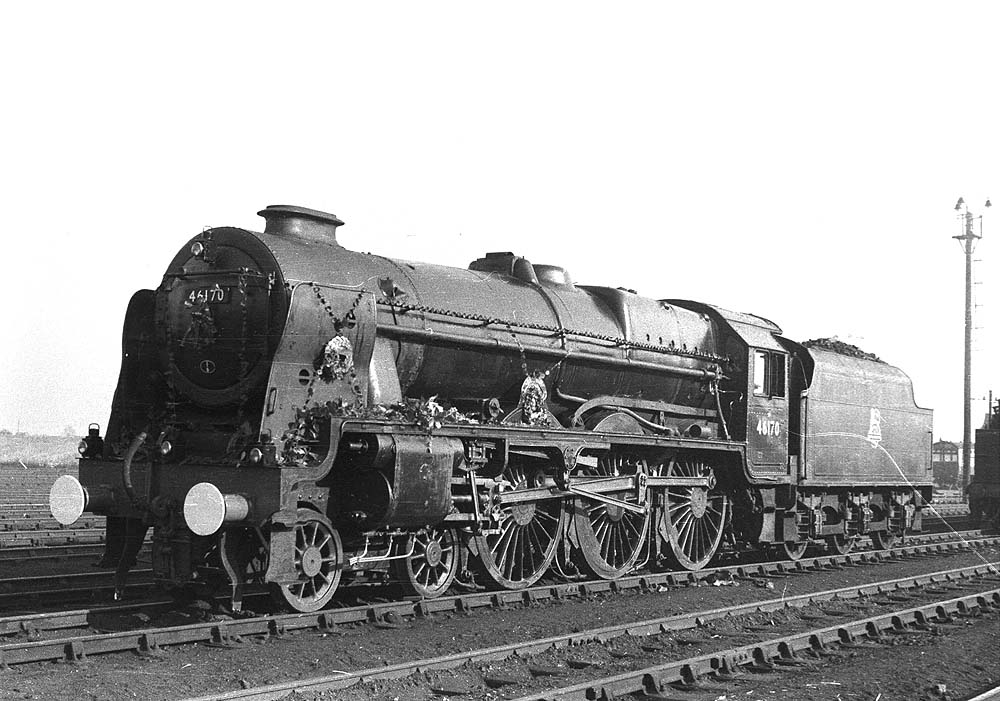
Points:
[209,295]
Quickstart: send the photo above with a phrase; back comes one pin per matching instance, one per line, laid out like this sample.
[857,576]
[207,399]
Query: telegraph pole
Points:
[968,242]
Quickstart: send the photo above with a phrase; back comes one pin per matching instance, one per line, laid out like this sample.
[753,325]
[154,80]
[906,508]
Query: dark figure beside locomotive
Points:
[290,412]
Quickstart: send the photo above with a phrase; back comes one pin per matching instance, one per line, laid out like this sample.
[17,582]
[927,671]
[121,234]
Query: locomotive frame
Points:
[320,412]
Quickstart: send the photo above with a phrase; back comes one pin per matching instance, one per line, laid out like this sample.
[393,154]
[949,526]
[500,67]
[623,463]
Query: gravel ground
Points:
[900,672]
[958,664]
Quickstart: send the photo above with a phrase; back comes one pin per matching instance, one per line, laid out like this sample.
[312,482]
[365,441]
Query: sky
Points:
[799,161]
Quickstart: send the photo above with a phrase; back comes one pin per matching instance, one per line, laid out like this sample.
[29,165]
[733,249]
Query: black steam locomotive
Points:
[984,487]
[289,412]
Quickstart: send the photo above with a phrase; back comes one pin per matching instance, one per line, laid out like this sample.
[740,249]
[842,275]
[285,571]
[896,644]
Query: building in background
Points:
[946,465]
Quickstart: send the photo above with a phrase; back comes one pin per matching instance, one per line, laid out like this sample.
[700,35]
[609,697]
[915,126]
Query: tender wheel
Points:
[431,567]
[319,559]
[839,544]
[526,534]
[792,551]
[694,517]
[883,540]
[611,537]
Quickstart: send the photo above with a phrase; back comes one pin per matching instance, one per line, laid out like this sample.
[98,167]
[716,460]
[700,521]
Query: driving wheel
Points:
[523,536]
[611,537]
[693,517]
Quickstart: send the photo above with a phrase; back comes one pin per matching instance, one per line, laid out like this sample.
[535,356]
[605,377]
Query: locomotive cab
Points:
[754,393]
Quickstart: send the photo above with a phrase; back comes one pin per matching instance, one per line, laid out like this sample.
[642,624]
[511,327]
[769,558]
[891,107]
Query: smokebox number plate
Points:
[209,295]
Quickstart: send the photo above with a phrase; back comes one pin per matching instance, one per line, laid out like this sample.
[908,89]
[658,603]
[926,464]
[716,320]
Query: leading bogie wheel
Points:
[431,562]
[522,537]
[319,562]
[611,537]
[694,517]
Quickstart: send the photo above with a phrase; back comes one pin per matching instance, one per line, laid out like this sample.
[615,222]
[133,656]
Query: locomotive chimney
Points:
[301,223]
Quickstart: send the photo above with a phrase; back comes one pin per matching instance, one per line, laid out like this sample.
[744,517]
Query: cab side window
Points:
[760,372]
[769,373]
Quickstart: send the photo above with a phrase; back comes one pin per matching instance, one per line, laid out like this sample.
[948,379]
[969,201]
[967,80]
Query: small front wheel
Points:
[432,563]
[319,562]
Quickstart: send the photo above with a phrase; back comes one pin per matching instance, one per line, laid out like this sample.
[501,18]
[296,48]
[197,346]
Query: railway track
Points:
[765,656]
[27,525]
[77,588]
[31,525]
[30,554]
[67,536]
[224,630]
[566,654]
[90,586]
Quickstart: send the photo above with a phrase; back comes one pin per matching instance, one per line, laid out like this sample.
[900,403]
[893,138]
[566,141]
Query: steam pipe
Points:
[718,408]
[426,335]
[127,466]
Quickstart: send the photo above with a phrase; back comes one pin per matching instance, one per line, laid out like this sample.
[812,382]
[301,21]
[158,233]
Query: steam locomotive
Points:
[984,487]
[290,412]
